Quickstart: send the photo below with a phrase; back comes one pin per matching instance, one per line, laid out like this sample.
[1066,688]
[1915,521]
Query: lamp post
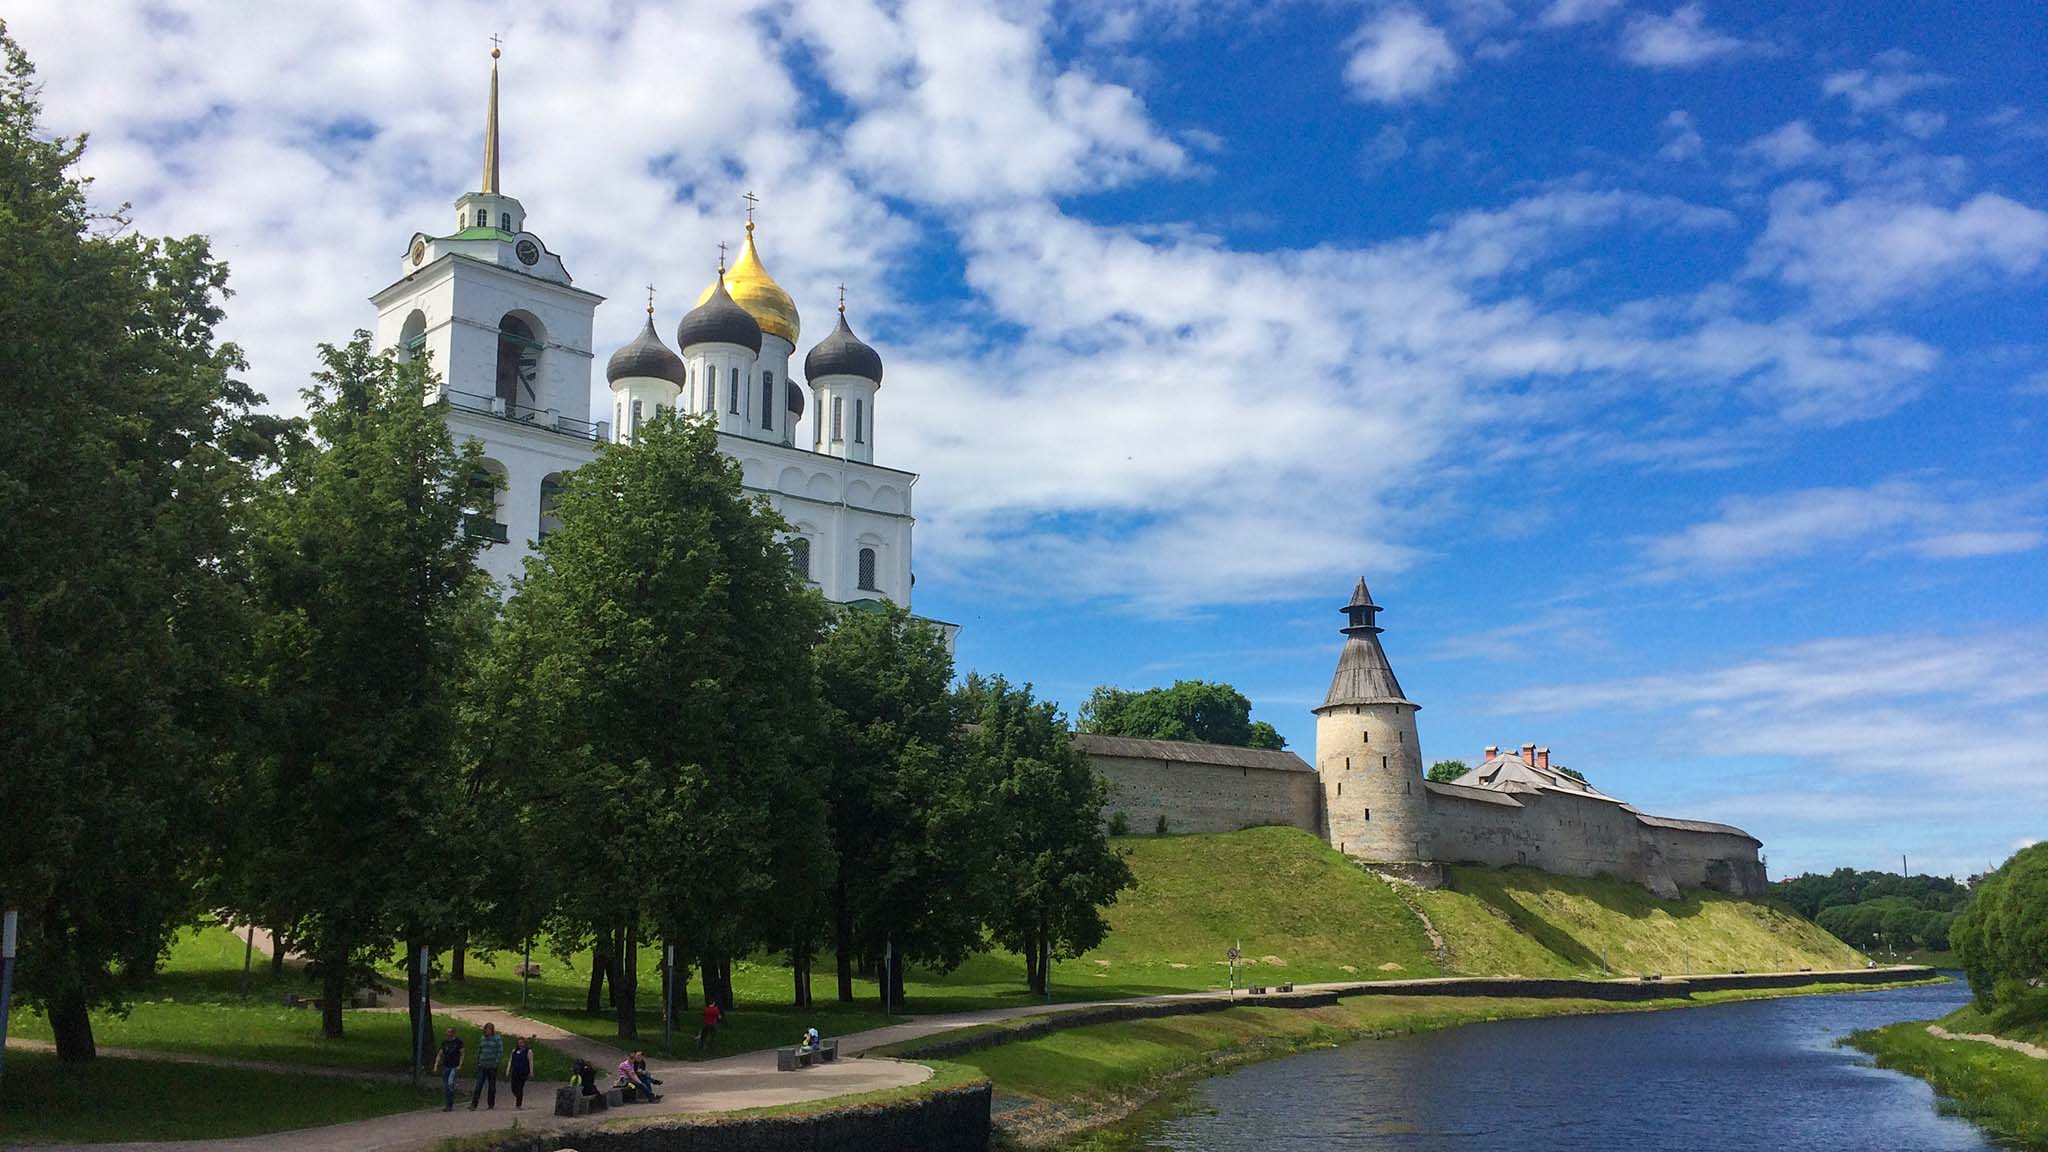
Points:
[7,928]
[419,1040]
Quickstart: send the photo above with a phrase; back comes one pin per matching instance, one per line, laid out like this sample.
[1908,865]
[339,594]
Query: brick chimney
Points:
[1492,750]
[1543,758]
[1529,755]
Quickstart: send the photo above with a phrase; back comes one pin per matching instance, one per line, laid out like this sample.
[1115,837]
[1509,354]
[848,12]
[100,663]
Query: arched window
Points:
[519,349]
[768,401]
[867,570]
[550,495]
[800,556]
[505,221]
[412,337]
[732,388]
[838,419]
[483,217]
[710,389]
[859,413]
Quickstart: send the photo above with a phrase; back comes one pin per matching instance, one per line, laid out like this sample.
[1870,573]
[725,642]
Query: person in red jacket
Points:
[709,1032]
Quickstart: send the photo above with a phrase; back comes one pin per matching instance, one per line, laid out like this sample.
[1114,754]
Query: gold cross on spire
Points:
[842,299]
[650,301]
[751,200]
[721,259]
[494,45]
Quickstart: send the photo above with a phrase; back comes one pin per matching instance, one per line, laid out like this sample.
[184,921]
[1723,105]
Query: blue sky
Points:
[1674,372]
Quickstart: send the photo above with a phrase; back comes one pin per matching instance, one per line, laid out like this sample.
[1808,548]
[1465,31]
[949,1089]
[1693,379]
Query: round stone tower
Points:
[1374,805]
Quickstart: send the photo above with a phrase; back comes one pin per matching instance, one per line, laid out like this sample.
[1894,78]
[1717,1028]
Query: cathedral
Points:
[510,336]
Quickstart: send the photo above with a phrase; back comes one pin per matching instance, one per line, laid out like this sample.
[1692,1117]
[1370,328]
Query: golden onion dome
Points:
[755,290]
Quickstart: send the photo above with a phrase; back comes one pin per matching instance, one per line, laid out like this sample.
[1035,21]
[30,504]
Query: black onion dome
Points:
[646,356]
[842,354]
[796,399]
[719,320]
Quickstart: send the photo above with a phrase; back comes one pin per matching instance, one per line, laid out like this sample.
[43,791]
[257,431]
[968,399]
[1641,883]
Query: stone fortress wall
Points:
[1202,787]
[1367,796]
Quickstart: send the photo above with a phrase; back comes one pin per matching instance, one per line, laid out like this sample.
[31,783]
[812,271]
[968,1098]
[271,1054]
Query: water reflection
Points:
[1764,1075]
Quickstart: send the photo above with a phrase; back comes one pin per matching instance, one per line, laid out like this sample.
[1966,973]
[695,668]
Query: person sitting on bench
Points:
[630,1077]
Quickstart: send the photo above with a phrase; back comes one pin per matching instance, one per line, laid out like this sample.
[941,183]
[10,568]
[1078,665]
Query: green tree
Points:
[1050,870]
[1201,710]
[2001,937]
[660,646]
[1445,771]
[125,446]
[906,821]
[369,594]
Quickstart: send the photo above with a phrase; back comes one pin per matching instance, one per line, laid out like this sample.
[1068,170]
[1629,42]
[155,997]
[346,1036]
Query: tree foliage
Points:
[906,828]
[1445,771]
[2001,938]
[656,658]
[1201,710]
[370,603]
[1050,869]
[125,453]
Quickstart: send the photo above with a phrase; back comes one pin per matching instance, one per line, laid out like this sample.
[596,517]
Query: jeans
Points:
[486,1077]
[518,1084]
[646,1087]
[448,1082]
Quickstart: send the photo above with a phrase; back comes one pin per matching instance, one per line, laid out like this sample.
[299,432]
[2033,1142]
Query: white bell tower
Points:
[509,337]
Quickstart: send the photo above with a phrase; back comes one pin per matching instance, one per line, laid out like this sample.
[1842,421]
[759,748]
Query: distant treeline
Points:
[1879,908]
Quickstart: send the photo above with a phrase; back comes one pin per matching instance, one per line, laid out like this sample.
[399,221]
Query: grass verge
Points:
[42,1101]
[2003,1092]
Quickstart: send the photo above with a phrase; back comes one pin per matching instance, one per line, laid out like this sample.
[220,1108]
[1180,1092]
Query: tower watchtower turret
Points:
[1368,756]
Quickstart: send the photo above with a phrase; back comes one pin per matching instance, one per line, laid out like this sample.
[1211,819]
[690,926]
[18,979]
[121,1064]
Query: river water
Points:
[1762,1074]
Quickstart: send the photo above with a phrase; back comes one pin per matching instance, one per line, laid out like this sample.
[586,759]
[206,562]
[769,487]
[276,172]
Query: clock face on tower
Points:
[528,252]
[419,251]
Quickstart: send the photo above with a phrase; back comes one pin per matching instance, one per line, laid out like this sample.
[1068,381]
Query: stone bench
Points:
[791,1059]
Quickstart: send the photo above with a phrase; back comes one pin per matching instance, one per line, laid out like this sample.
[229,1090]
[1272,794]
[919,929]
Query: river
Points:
[1761,1074]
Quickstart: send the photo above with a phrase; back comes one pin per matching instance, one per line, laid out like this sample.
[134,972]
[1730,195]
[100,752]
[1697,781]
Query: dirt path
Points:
[2019,1046]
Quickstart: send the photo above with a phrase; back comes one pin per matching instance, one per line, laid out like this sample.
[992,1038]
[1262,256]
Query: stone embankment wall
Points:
[1206,797]
[1675,987]
[949,1120]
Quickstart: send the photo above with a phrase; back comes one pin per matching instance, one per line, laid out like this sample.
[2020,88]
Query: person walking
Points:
[489,1051]
[709,1032]
[522,1067]
[448,1063]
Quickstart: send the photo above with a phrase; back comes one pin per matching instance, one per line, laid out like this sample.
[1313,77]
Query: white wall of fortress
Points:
[1206,797]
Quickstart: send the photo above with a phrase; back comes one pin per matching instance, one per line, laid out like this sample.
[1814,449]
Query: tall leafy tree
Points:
[2001,937]
[124,450]
[370,594]
[663,641]
[1049,870]
[1207,711]
[1445,771]
[906,821]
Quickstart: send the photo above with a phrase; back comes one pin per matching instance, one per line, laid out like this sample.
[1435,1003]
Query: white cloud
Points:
[1890,78]
[1849,524]
[1680,40]
[1563,13]
[1788,146]
[1952,715]
[1682,140]
[1862,251]
[1397,56]
[1131,411]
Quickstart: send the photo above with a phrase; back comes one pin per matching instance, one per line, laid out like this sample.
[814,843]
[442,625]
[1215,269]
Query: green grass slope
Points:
[1520,921]
[1302,911]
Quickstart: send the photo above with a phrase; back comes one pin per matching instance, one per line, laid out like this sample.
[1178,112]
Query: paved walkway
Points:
[748,1080]
[2019,1046]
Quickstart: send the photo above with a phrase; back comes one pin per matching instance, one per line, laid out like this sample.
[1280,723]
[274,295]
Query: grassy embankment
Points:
[2004,1092]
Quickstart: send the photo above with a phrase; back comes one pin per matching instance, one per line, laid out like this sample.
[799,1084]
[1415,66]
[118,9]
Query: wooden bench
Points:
[526,968]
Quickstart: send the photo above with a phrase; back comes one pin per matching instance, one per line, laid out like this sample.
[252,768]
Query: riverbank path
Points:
[728,1084]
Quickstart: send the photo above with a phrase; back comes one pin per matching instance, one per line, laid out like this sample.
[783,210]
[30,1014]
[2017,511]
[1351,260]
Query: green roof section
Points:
[478,234]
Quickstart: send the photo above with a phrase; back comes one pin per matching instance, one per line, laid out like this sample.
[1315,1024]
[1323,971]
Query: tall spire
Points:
[491,128]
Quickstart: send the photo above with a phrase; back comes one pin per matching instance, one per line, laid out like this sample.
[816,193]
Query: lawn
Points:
[194,1005]
[42,1101]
